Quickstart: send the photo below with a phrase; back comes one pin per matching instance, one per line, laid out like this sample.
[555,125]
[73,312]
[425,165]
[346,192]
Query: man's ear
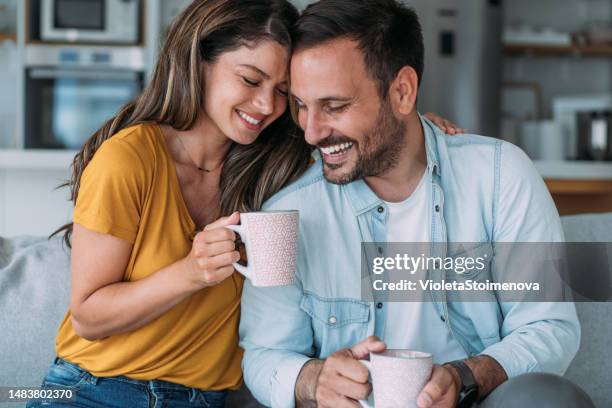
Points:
[403,90]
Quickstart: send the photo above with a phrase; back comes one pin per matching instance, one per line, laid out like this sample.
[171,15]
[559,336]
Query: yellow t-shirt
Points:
[130,190]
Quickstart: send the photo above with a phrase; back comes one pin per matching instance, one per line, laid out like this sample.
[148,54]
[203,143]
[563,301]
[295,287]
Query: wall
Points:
[564,75]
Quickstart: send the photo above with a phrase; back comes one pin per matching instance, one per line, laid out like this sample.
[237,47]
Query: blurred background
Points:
[537,73]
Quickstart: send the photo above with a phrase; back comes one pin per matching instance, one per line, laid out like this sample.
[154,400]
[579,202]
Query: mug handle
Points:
[245,270]
[369,403]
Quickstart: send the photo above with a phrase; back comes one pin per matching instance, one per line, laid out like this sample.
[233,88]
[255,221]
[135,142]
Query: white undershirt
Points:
[417,325]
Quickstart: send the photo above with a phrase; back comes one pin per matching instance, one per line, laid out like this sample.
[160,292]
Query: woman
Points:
[154,306]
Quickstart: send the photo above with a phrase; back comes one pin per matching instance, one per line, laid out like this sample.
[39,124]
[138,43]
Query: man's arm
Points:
[535,336]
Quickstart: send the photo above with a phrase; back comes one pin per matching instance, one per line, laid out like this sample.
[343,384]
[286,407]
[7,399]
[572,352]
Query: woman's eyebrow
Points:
[254,68]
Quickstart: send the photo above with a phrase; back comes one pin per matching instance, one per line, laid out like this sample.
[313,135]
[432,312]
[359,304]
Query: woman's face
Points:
[246,90]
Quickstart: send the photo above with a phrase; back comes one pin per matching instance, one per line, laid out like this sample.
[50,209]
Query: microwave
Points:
[90,21]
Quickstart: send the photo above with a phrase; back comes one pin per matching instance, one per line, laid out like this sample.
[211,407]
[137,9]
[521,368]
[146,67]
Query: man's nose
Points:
[315,129]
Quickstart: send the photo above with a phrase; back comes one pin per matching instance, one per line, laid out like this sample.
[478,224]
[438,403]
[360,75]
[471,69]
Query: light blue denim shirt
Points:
[484,190]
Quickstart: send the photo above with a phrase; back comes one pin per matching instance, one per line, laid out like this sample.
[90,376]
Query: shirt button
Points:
[380,250]
[333,320]
[381,209]
[437,208]
[442,318]
[379,305]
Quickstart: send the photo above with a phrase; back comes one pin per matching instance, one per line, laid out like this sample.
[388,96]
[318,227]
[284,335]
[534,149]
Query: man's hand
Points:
[341,379]
[442,389]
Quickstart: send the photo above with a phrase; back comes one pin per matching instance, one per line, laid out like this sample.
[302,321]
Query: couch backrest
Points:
[34,293]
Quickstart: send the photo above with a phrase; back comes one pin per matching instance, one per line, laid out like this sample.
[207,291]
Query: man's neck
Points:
[399,183]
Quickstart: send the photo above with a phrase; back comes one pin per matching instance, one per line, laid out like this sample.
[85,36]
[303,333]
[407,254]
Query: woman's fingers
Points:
[233,219]
[216,248]
[223,260]
[215,235]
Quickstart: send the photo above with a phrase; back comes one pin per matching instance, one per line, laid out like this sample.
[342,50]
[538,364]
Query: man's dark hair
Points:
[388,33]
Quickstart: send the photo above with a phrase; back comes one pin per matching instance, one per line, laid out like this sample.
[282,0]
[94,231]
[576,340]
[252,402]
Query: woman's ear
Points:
[403,90]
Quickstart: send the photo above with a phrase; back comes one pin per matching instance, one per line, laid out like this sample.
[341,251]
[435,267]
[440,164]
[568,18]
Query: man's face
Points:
[341,113]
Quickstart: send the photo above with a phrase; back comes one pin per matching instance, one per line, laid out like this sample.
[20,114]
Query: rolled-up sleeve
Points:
[277,339]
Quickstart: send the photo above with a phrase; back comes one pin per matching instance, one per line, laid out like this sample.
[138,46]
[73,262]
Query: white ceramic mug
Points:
[398,377]
[270,239]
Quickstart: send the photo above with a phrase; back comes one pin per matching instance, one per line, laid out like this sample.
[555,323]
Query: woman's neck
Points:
[204,144]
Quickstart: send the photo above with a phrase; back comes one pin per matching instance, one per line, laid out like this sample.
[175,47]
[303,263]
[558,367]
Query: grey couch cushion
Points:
[591,368]
[34,294]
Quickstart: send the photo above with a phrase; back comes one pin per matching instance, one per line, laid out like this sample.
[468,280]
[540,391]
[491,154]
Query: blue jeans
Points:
[123,392]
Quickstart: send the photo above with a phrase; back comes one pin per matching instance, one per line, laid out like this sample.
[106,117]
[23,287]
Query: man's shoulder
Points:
[486,154]
[300,190]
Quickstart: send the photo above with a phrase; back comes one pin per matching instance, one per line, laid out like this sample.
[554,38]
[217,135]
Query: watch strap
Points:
[468,394]
[465,374]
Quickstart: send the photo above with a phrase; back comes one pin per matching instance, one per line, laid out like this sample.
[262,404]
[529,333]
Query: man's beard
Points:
[380,152]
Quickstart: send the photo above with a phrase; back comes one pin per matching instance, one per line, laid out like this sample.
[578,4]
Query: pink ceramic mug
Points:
[398,377]
[270,240]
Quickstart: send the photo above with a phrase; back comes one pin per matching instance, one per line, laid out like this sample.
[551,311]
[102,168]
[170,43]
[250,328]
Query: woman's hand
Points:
[445,125]
[213,252]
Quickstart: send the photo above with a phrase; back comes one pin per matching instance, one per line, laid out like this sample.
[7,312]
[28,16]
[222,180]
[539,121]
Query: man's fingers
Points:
[363,349]
[436,387]
[233,219]
[351,389]
[352,370]
[328,398]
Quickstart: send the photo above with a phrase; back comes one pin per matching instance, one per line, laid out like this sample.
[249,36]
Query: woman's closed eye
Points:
[250,82]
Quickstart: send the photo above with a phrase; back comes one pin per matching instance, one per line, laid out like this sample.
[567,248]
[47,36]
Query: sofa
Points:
[34,293]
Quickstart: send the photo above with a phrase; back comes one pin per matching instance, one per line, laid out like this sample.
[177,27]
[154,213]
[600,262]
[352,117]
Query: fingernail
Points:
[425,400]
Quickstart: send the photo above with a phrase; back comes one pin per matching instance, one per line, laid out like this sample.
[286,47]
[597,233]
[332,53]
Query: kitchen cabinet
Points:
[581,196]
[578,186]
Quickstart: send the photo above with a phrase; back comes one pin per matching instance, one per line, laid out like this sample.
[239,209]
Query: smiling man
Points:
[384,173]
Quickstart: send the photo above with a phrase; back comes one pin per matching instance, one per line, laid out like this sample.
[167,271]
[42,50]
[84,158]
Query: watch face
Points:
[467,398]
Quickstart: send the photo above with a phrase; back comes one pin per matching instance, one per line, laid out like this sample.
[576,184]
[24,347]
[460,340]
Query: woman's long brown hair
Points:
[174,96]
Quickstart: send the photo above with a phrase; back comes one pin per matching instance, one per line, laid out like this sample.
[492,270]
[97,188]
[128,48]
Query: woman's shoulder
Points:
[139,144]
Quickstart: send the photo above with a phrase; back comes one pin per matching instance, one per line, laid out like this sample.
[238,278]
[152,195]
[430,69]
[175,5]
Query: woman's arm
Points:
[102,304]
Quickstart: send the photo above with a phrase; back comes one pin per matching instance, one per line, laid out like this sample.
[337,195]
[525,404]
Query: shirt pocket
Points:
[337,322]
[471,261]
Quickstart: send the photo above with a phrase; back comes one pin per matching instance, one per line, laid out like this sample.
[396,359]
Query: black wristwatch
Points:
[468,394]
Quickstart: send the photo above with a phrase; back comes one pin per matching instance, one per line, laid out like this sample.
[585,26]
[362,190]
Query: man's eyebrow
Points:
[328,98]
[335,99]
[254,68]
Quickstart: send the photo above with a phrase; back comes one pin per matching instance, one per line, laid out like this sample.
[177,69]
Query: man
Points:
[386,174]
